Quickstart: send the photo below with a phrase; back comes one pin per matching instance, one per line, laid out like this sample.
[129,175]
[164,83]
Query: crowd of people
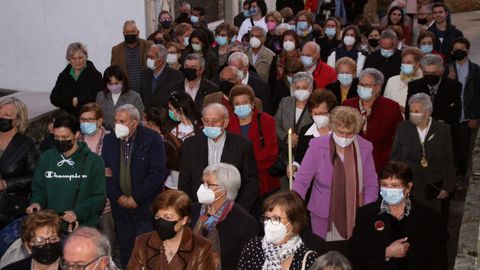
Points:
[306,137]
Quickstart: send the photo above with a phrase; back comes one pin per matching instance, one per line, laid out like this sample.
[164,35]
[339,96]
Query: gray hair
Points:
[130,22]
[377,75]
[99,240]
[238,56]
[185,4]
[281,26]
[218,107]
[423,99]
[74,47]
[162,52]
[303,76]
[194,56]
[331,260]
[238,73]
[133,112]
[258,28]
[431,60]
[388,34]
[227,177]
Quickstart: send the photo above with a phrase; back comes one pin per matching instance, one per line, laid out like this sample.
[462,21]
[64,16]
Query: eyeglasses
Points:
[75,266]
[40,241]
[89,120]
[207,185]
[276,220]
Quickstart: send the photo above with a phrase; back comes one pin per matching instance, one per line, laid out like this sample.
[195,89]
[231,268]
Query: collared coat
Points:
[118,54]
[263,63]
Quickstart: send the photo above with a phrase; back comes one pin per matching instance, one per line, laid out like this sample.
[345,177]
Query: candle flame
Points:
[289,131]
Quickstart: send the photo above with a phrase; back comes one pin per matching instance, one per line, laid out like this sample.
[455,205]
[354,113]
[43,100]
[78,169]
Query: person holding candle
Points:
[329,162]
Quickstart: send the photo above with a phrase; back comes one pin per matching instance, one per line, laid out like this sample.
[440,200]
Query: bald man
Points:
[322,73]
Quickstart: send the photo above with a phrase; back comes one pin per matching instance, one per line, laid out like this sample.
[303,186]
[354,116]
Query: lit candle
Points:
[290,158]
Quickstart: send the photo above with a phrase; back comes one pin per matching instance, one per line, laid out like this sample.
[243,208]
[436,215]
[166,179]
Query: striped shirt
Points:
[134,67]
[215,149]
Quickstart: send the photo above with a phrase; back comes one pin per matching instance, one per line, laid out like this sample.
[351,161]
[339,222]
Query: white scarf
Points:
[275,254]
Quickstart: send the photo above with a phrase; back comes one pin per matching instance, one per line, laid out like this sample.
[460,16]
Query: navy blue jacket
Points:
[147,168]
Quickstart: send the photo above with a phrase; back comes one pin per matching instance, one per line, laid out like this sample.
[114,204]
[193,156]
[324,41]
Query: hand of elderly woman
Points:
[69,216]
[397,249]
[443,194]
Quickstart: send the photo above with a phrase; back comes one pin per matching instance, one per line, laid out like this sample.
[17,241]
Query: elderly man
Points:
[381,115]
[322,73]
[184,10]
[229,77]
[131,54]
[215,145]
[445,92]
[260,56]
[195,84]
[388,59]
[259,86]
[135,169]
[86,248]
[158,79]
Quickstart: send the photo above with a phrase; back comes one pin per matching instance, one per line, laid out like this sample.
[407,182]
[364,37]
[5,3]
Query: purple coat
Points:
[317,166]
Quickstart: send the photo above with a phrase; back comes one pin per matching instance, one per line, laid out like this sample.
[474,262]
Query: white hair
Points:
[258,28]
[133,112]
[331,260]
[284,26]
[239,56]
[162,52]
[423,99]
[303,76]
[431,60]
[218,107]
[238,73]
[227,176]
[377,75]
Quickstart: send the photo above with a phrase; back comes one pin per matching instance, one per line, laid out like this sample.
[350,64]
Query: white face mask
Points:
[342,142]
[205,195]
[150,64]
[321,121]
[349,40]
[301,94]
[172,58]
[121,131]
[255,42]
[274,233]
[288,45]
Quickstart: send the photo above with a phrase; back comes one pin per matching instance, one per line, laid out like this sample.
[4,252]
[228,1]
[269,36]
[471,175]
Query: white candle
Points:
[290,158]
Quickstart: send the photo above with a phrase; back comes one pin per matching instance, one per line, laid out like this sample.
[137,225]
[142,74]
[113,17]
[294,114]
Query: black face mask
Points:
[130,39]
[48,253]
[190,73]
[166,24]
[6,124]
[63,145]
[431,79]
[158,41]
[373,42]
[422,21]
[316,33]
[165,228]
[459,55]
[225,87]
[362,28]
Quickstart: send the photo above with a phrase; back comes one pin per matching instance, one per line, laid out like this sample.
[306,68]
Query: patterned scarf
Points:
[365,114]
[275,254]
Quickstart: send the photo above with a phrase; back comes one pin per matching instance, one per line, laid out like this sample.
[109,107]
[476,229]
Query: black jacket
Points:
[159,96]
[237,151]
[335,88]
[262,91]
[206,87]
[85,88]
[234,232]
[445,47]
[471,93]
[280,89]
[295,5]
[328,46]
[446,103]
[388,66]
[426,236]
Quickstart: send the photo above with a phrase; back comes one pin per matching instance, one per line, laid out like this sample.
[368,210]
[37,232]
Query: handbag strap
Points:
[304,262]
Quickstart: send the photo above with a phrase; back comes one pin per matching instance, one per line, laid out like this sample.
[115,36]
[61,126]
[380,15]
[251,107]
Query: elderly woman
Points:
[425,145]
[41,237]
[78,83]
[116,93]
[292,112]
[380,115]
[346,85]
[320,104]
[18,158]
[285,217]
[398,232]
[172,245]
[343,174]
[223,36]
[217,217]
[331,260]
[304,20]
[349,47]
[397,86]
[331,37]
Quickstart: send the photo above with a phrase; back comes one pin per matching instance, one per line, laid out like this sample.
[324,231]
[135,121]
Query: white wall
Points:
[36,33]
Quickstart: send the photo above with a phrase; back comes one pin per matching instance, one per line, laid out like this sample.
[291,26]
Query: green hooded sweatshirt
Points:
[57,178]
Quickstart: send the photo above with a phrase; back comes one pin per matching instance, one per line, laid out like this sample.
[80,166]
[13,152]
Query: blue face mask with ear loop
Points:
[392,196]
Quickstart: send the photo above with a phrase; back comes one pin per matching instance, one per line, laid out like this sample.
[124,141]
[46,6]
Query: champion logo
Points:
[70,177]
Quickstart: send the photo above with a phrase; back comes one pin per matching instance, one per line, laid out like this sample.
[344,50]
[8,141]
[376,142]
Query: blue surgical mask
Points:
[307,61]
[289,79]
[186,41]
[392,196]
[407,69]
[212,132]
[426,48]
[364,93]
[330,31]
[221,41]
[292,27]
[172,116]
[386,53]
[194,19]
[197,47]
[253,11]
[242,111]
[88,128]
[302,25]
[345,78]
[246,13]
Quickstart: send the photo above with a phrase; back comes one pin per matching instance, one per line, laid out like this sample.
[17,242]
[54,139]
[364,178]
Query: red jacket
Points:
[324,75]
[266,155]
[381,126]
